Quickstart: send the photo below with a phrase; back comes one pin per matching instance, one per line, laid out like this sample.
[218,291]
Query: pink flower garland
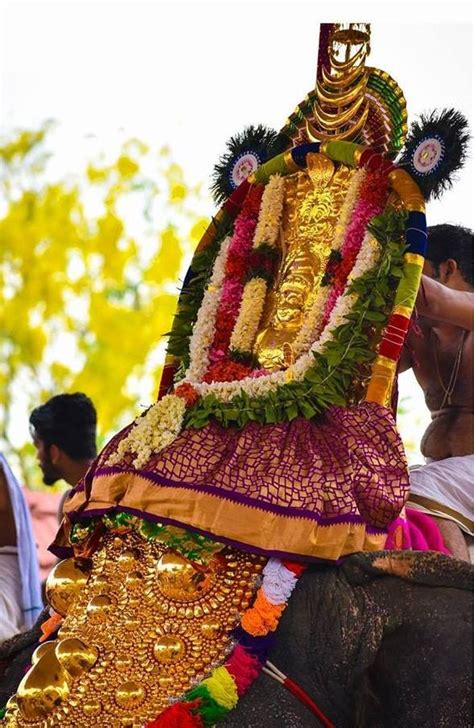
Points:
[371,203]
[236,268]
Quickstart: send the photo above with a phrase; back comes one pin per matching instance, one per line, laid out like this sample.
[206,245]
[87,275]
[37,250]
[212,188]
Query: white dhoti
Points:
[445,488]
[11,613]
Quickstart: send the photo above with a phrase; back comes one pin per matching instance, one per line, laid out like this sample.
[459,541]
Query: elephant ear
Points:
[435,150]
[245,152]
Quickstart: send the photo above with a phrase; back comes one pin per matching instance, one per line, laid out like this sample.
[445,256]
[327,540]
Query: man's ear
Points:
[447,270]
[55,454]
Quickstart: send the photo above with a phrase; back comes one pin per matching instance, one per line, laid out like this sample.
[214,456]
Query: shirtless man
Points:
[442,361]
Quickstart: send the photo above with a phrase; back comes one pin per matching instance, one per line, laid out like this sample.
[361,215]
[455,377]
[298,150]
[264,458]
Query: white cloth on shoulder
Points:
[445,488]
[11,613]
[26,556]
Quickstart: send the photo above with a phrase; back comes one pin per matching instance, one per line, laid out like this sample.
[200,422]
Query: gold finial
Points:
[341,107]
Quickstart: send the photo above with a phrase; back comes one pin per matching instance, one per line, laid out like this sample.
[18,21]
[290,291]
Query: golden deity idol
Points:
[313,201]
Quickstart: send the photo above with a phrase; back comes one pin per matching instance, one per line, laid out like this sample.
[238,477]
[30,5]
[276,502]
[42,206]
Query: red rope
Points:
[303,696]
[271,670]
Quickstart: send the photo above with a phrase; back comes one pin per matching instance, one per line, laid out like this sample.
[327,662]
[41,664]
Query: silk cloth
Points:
[415,531]
[314,489]
[444,488]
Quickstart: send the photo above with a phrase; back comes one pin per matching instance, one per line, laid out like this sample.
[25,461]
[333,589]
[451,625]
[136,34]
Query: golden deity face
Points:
[298,277]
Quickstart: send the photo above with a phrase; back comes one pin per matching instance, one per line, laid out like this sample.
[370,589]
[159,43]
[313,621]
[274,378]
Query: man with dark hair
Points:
[64,434]
[442,361]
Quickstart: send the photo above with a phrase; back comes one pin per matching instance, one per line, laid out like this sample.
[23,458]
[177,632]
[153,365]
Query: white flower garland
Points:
[153,431]
[204,328]
[251,308]
[255,291]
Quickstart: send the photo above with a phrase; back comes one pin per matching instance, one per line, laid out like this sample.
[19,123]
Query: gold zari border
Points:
[234,522]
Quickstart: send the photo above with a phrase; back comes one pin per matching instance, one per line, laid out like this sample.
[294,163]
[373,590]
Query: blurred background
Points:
[111,119]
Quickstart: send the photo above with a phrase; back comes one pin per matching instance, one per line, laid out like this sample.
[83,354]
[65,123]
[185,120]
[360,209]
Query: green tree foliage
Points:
[89,268]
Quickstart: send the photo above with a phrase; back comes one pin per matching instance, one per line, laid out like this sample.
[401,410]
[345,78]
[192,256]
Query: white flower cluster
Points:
[269,218]
[204,328]
[251,308]
[152,432]
[367,257]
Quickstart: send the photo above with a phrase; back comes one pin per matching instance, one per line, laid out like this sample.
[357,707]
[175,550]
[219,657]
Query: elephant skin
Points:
[383,640]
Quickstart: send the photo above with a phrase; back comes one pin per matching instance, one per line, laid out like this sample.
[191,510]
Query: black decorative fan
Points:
[245,151]
[435,150]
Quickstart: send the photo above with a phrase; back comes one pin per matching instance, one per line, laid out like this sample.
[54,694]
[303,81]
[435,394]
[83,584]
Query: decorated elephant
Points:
[271,457]
[383,640]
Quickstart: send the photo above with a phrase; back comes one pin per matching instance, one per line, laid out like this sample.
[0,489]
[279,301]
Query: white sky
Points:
[191,74]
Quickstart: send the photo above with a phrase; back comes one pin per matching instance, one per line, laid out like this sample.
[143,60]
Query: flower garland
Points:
[325,375]
[248,320]
[236,267]
[266,236]
[261,386]
[241,377]
[203,332]
[369,205]
[155,429]
[216,695]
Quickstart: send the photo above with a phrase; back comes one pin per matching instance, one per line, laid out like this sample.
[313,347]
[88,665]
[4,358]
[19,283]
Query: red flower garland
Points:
[226,371]
[237,266]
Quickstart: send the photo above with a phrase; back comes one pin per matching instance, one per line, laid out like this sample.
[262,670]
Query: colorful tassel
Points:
[278,582]
[179,715]
[222,688]
[211,712]
[263,617]
[244,668]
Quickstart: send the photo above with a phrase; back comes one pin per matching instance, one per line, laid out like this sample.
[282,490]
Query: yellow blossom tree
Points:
[89,270]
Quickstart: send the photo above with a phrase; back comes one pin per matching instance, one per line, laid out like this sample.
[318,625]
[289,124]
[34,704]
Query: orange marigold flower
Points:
[188,393]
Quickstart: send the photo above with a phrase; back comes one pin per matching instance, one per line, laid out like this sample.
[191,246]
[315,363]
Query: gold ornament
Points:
[119,663]
[129,695]
[65,582]
[43,687]
[75,656]
[41,650]
[169,648]
[178,579]
[210,628]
